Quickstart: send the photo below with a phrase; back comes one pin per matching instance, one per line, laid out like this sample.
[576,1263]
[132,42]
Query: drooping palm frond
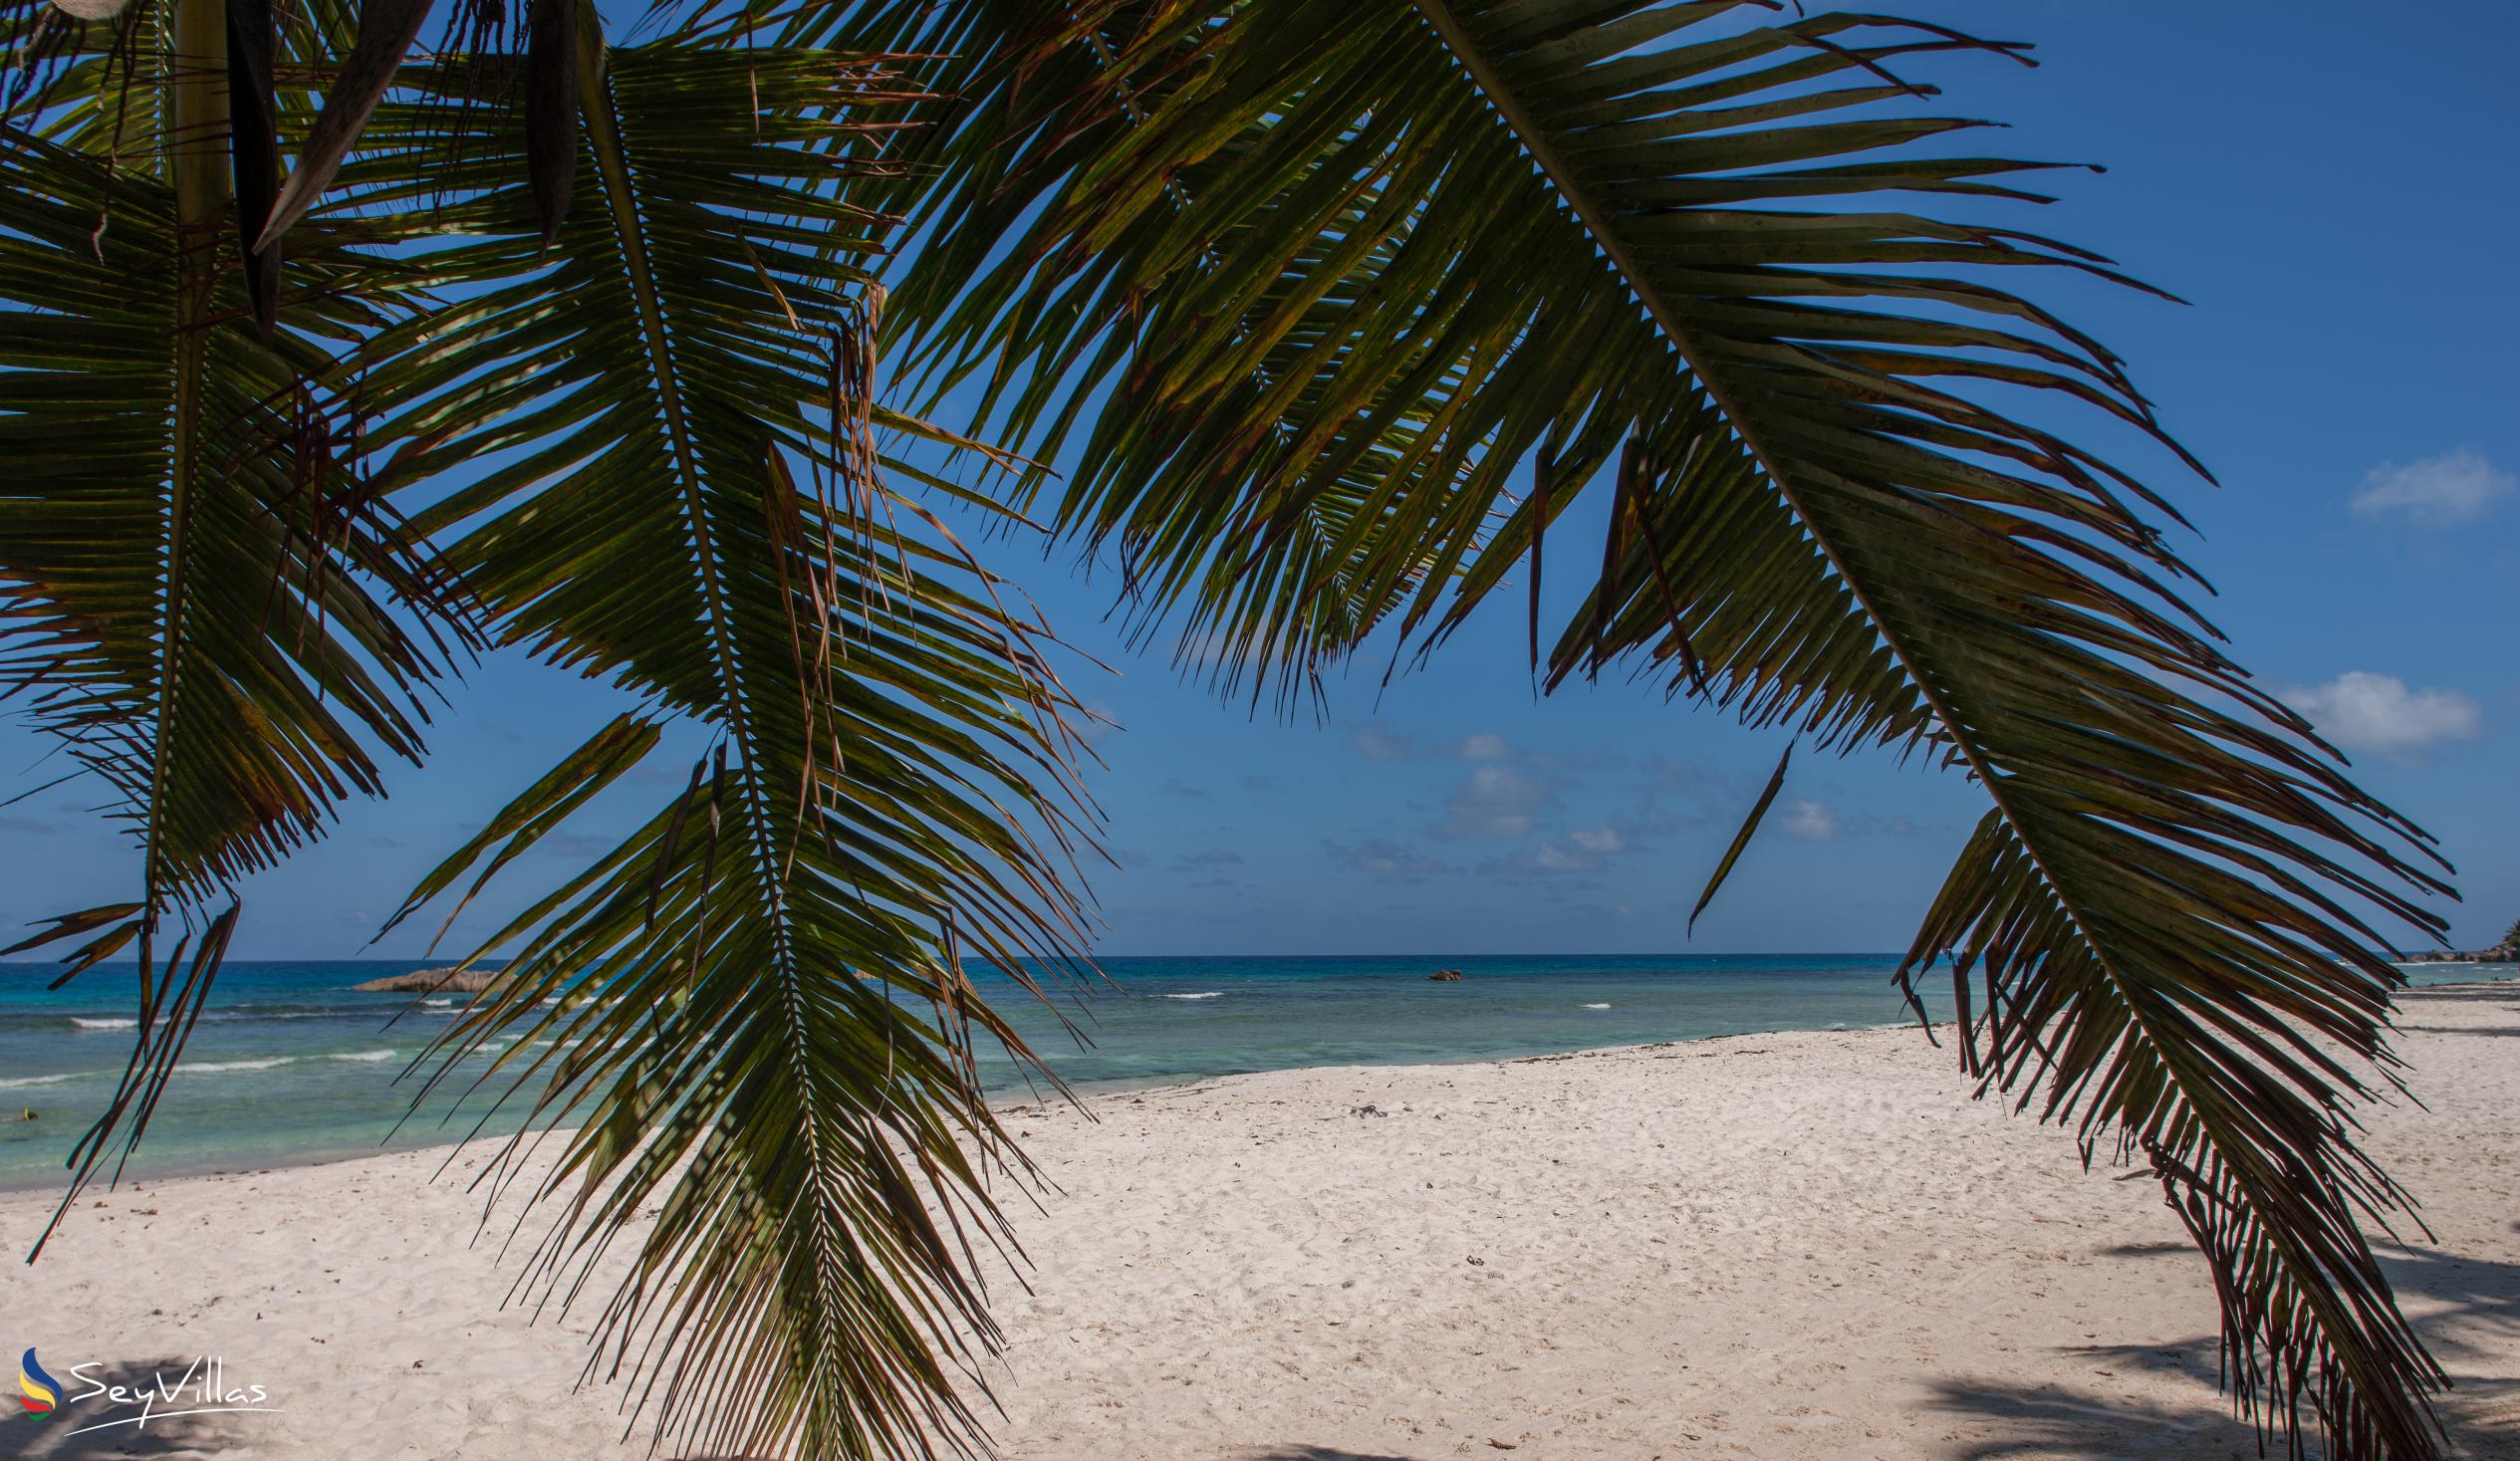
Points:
[1272,607]
[754,1015]
[1305,283]
[646,442]
[208,605]
[1262,241]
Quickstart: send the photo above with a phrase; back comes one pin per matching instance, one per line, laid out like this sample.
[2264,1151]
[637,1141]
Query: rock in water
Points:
[1445,975]
[434,981]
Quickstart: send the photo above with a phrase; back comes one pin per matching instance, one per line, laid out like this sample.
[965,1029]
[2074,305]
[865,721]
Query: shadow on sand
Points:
[2505,997]
[2460,1300]
[2056,1421]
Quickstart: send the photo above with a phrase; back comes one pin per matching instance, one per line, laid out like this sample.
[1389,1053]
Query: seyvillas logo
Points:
[202,1388]
[39,1392]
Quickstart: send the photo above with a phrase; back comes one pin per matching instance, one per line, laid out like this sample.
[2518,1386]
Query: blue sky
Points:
[2319,184]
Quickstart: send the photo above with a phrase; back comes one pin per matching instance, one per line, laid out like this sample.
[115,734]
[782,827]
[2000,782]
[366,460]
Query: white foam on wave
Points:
[87,1023]
[439,1004]
[365,1057]
[214,1067]
[18,1083]
[1212,994]
[1596,1007]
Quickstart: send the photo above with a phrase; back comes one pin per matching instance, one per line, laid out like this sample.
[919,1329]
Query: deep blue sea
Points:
[290,1065]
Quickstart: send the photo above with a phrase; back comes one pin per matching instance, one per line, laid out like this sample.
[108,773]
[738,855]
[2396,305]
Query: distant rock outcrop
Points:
[1445,975]
[2500,954]
[434,981]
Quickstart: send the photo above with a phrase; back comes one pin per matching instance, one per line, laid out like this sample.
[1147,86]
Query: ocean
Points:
[290,1065]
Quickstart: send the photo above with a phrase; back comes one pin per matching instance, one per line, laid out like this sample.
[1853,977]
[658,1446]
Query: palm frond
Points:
[208,605]
[1459,233]
[756,1014]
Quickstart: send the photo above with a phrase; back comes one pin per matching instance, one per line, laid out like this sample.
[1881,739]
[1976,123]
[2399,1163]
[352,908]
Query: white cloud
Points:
[1375,743]
[2437,491]
[1582,852]
[1583,849]
[2363,711]
[1386,861]
[1601,841]
[1492,801]
[1809,821]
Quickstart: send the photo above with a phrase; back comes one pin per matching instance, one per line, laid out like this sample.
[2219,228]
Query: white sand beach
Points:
[1775,1246]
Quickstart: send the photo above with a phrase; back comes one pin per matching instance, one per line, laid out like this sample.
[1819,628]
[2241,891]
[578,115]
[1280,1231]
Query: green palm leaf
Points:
[759,1021]
[209,607]
[1336,292]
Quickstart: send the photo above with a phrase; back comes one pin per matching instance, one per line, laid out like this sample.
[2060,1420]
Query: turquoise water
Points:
[289,1064]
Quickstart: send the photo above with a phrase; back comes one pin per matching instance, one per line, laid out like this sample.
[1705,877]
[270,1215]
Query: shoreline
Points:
[1004,1103]
[1767,1246]
[1085,1094]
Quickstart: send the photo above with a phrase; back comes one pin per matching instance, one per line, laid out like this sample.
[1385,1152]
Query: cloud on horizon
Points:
[2364,711]
[1809,821]
[1376,742]
[1492,801]
[2436,491]
[1385,860]
[1584,850]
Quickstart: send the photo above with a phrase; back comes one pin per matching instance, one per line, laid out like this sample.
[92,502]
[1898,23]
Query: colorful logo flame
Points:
[38,1391]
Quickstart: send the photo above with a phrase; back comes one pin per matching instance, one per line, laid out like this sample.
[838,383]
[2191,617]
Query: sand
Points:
[1774,1246]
